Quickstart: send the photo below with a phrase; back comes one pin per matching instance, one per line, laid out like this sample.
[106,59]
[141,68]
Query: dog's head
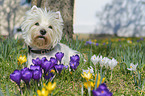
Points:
[42,29]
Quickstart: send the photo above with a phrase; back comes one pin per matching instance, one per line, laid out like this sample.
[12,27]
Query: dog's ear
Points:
[58,15]
[34,8]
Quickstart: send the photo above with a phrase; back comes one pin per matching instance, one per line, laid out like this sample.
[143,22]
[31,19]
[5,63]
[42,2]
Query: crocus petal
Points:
[46,66]
[48,76]
[32,67]
[36,74]
[59,56]
[26,76]
[59,68]
[102,91]
[50,87]
[16,76]
[75,58]
[129,68]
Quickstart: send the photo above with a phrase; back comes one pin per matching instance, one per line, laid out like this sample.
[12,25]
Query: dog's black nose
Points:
[43,31]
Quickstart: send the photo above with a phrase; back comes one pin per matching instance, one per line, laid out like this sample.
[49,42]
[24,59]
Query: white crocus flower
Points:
[132,67]
[95,59]
[112,63]
[102,61]
[106,61]
[91,70]
[100,58]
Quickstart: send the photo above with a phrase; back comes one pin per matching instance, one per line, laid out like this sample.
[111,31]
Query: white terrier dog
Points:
[42,32]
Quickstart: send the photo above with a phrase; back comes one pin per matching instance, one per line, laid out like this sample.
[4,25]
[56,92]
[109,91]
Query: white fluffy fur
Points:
[45,19]
[53,36]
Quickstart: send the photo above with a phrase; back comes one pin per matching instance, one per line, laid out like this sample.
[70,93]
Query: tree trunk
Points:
[66,8]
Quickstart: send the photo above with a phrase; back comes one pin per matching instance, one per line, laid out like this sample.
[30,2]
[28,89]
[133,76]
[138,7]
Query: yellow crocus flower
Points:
[53,71]
[112,40]
[129,41]
[94,40]
[87,76]
[89,84]
[99,78]
[50,87]
[43,92]
[22,59]
[122,39]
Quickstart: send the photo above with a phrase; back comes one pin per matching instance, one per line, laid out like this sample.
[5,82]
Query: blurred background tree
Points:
[122,18]
[11,13]
[66,7]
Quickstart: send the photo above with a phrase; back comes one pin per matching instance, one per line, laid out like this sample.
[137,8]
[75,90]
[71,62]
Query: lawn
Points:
[120,81]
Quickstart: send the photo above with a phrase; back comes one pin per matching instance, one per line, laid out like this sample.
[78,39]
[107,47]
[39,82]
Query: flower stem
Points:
[95,68]
[36,85]
[101,71]
[82,90]
[28,86]
[89,91]
[96,80]
[52,94]
[20,90]
[111,76]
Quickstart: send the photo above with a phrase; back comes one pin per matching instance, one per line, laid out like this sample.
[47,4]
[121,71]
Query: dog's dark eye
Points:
[50,27]
[37,24]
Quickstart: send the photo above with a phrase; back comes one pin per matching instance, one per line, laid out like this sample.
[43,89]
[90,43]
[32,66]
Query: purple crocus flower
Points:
[142,39]
[26,76]
[44,59]
[24,69]
[36,74]
[59,67]
[46,66]
[66,66]
[138,40]
[37,62]
[97,44]
[88,42]
[75,58]
[53,60]
[102,91]
[74,65]
[104,43]
[32,67]
[59,56]
[16,76]
[48,76]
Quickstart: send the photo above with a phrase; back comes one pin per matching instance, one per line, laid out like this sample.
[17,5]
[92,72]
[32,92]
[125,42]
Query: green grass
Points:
[123,81]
